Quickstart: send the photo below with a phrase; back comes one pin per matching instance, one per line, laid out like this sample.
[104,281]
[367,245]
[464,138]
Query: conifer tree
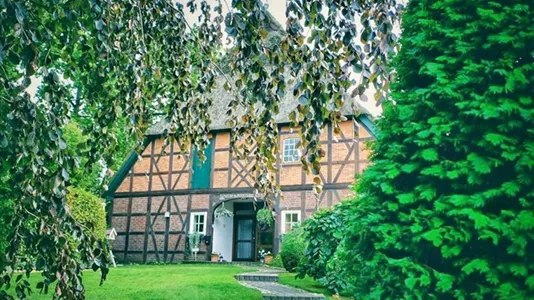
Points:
[446,211]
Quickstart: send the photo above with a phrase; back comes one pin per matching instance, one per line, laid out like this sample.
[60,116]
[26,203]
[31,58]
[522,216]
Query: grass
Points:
[307,284]
[164,282]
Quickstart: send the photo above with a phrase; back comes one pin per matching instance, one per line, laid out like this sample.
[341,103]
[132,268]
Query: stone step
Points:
[277,291]
[257,276]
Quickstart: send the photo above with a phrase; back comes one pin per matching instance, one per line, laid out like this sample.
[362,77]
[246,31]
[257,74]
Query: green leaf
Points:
[409,168]
[424,280]
[263,33]
[406,198]
[530,282]
[453,251]
[454,174]
[99,24]
[524,220]
[495,138]
[415,228]
[433,236]
[410,282]
[480,164]
[430,154]
[445,282]
[479,265]
[519,270]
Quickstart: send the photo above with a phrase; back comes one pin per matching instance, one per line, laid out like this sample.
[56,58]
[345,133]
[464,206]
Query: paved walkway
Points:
[266,281]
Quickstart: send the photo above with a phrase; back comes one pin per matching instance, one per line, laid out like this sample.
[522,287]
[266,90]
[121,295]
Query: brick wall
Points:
[343,153]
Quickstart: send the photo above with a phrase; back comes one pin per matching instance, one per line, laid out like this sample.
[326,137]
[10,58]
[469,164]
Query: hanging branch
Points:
[138,58]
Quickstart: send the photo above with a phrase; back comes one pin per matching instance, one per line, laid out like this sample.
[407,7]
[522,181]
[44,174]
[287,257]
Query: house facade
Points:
[162,193]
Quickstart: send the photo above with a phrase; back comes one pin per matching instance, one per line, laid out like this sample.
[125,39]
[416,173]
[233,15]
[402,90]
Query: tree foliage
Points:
[6,215]
[130,59]
[323,233]
[446,209]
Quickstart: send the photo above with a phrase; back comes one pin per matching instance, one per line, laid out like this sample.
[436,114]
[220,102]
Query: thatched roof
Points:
[221,99]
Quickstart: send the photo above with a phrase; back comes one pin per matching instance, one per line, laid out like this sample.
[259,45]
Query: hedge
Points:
[446,209]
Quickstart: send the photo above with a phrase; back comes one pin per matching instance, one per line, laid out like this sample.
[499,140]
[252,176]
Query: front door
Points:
[244,238]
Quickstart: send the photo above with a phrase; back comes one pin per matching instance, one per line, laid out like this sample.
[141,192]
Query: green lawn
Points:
[307,284]
[165,282]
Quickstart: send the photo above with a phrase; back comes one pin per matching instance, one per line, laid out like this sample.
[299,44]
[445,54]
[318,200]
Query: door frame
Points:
[235,241]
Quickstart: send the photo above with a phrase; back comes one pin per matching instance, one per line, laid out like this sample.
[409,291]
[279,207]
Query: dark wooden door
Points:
[244,238]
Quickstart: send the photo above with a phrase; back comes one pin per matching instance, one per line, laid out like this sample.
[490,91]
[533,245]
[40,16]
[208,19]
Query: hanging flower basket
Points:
[264,217]
[223,212]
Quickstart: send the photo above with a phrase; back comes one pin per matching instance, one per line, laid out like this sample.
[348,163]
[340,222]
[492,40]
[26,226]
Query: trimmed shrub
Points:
[88,210]
[293,246]
[446,209]
[323,233]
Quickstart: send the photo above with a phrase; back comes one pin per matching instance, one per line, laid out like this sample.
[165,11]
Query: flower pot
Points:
[268,259]
[214,257]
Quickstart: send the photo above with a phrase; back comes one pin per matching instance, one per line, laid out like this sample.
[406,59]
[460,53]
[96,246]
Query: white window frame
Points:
[192,222]
[283,221]
[288,158]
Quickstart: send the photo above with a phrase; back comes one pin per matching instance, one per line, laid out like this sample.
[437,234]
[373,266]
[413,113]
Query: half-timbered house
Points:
[157,197]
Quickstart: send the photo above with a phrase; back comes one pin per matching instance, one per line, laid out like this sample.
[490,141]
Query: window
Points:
[290,219]
[197,223]
[291,152]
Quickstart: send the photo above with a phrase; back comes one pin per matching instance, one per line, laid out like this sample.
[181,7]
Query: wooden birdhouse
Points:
[111,234]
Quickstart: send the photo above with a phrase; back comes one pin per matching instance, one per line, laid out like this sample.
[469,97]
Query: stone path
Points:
[266,281]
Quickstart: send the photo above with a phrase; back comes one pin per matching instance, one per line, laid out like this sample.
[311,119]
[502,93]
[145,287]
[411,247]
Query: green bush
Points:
[87,209]
[446,209]
[277,262]
[6,214]
[293,246]
[323,233]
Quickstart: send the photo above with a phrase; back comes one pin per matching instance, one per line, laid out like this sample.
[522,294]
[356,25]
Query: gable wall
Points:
[159,183]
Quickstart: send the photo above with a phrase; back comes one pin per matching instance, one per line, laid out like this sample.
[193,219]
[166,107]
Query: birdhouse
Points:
[111,234]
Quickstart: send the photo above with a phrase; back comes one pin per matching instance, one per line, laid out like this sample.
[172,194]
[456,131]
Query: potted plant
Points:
[265,256]
[214,257]
[194,243]
[264,217]
[268,257]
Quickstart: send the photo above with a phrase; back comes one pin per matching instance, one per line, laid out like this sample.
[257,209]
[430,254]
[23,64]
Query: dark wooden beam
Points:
[155,232]
[155,252]
[168,220]
[148,226]
[356,149]
[237,190]
[128,219]
[329,166]
[230,162]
